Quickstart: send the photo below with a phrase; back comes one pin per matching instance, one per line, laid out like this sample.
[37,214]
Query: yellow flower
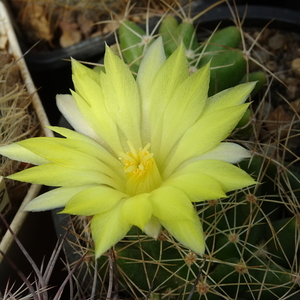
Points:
[142,151]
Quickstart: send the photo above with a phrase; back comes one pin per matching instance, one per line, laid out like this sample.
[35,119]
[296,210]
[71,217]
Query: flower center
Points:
[141,171]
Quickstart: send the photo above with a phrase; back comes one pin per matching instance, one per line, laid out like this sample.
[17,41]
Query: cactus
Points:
[248,256]
[252,236]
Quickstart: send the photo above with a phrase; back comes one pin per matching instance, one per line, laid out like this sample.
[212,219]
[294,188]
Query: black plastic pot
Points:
[255,15]
[51,70]
[88,50]
[93,48]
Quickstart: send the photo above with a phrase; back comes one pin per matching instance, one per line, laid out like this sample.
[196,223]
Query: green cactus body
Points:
[227,69]
[290,180]
[230,276]
[169,33]
[259,77]
[283,238]
[264,172]
[173,34]
[145,264]
[225,39]
[240,227]
[187,35]
[245,119]
[133,43]
[268,280]
[279,177]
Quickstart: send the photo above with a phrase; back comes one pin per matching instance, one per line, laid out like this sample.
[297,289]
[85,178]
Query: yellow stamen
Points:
[141,171]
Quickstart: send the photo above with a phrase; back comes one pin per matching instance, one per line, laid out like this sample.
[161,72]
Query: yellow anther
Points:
[141,170]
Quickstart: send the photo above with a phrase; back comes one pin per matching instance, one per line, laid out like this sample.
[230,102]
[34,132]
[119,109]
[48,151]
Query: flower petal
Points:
[61,152]
[230,177]
[170,203]
[53,199]
[121,97]
[71,134]
[67,106]
[137,210]
[197,187]
[172,74]
[54,175]
[87,86]
[101,122]
[93,200]
[90,99]
[204,135]
[153,227]
[88,146]
[108,228]
[229,97]
[226,151]
[187,232]
[81,70]
[150,65]
[229,152]
[194,92]
[17,152]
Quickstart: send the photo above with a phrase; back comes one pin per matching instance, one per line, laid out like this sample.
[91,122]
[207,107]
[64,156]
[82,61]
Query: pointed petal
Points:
[137,210]
[153,227]
[108,228]
[121,97]
[53,199]
[93,200]
[229,97]
[91,102]
[226,151]
[69,109]
[100,121]
[54,175]
[87,88]
[228,176]
[170,76]
[81,143]
[17,152]
[229,152]
[150,65]
[170,203]
[81,70]
[206,134]
[197,187]
[187,232]
[58,151]
[186,104]
[71,134]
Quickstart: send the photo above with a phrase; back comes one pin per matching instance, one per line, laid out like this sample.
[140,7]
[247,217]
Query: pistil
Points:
[141,171]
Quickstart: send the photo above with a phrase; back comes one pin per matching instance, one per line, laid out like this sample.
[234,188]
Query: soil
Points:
[279,52]
[55,24]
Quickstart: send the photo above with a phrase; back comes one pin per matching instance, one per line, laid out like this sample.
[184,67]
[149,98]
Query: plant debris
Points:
[60,24]
[17,121]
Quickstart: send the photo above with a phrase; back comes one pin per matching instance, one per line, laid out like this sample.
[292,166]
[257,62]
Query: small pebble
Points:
[277,41]
[296,105]
[271,65]
[292,91]
[296,66]
[278,121]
